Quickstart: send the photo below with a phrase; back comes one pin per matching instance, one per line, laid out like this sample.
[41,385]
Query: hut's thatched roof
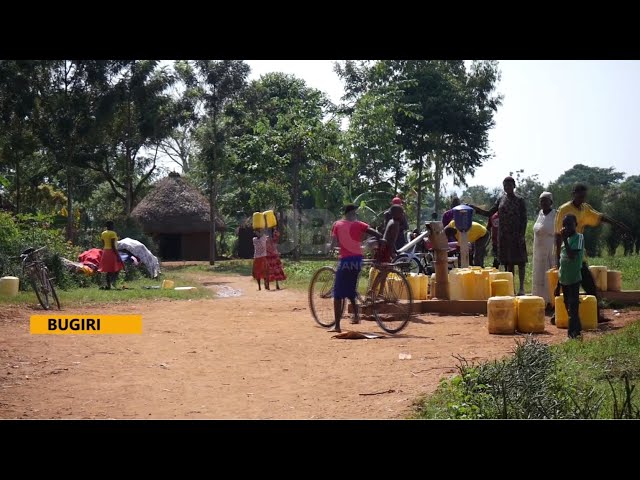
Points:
[174,206]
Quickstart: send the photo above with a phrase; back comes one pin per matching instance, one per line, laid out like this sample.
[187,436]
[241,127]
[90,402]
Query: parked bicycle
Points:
[36,271]
[390,301]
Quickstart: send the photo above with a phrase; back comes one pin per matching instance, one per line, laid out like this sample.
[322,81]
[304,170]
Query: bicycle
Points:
[34,268]
[392,304]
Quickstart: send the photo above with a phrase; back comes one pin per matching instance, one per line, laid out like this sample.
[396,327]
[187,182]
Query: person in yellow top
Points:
[586,217]
[477,234]
[110,262]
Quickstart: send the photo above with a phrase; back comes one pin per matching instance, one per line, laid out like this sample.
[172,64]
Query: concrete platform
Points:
[626,296]
[454,307]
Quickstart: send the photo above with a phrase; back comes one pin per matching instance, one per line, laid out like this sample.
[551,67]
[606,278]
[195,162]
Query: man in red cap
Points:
[404,225]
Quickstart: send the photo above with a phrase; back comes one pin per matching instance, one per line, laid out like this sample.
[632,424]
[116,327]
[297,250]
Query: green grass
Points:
[298,277]
[298,273]
[135,291]
[587,370]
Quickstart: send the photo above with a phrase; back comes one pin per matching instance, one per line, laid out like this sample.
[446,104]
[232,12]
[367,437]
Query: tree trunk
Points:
[128,182]
[397,177]
[296,203]
[69,201]
[438,179]
[212,225]
[17,186]
[419,193]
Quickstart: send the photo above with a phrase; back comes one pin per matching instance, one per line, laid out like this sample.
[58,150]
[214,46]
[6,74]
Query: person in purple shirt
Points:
[448,215]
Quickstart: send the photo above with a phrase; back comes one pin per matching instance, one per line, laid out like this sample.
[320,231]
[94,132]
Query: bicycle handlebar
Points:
[28,254]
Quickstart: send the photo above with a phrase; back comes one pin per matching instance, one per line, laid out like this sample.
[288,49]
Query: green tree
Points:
[284,136]
[592,176]
[137,114]
[20,83]
[69,108]
[372,139]
[222,82]
[621,203]
[442,112]
[478,195]
[600,181]
[181,145]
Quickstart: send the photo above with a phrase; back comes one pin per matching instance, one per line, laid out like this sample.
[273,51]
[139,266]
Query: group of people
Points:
[267,265]
[558,242]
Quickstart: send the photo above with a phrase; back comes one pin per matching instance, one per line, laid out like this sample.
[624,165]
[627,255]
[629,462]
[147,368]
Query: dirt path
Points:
[258,356]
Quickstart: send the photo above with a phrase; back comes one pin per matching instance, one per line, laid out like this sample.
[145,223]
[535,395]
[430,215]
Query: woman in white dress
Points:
[543,247]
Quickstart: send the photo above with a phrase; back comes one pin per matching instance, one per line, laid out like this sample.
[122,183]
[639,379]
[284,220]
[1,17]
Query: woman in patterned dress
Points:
[274,264]
[512,228]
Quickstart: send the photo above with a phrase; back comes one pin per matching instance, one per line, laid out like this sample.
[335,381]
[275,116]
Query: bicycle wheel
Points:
[321,297]
[39,288]
[52,289]
[413,264]
[394,311]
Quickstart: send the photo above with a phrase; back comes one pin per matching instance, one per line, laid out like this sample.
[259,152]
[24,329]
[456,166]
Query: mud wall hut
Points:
[176,215]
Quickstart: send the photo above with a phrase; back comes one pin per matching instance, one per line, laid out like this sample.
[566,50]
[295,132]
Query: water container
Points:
[500,288]
[552,281]
[478,286]
[463,216]
[455,285]
[614,280]
[503,276]
[167,284]
[588,313]
[486,285]
[501,315]
[258,221]
[397,286]
[9,286]
[414,284]
[600,277]
[373,272]
[432,285]
[424,286]
[270,218]
[530,314]
[467,278]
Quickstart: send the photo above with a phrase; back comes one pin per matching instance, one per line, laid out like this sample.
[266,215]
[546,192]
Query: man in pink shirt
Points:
[347,234]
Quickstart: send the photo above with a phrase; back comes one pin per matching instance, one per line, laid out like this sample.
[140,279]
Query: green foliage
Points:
[591,176]
[540,381]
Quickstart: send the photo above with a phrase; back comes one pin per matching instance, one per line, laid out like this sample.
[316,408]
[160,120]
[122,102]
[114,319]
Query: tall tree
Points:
[137,114]
[478,195]
[443,112]
[222,82]
[181,145]
[69,108]
[592,176]
[19,90]
[286,136]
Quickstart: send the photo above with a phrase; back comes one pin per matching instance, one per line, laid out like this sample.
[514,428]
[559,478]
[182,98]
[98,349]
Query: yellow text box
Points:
[86,324]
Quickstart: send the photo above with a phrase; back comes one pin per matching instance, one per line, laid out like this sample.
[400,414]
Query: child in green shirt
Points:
[570,275]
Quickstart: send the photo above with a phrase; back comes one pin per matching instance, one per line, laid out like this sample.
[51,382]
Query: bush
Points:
[528,385]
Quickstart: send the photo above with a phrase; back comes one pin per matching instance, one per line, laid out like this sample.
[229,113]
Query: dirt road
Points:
[258,355]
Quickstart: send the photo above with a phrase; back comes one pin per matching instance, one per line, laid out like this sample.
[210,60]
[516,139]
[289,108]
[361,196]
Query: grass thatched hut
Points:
[176,215]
